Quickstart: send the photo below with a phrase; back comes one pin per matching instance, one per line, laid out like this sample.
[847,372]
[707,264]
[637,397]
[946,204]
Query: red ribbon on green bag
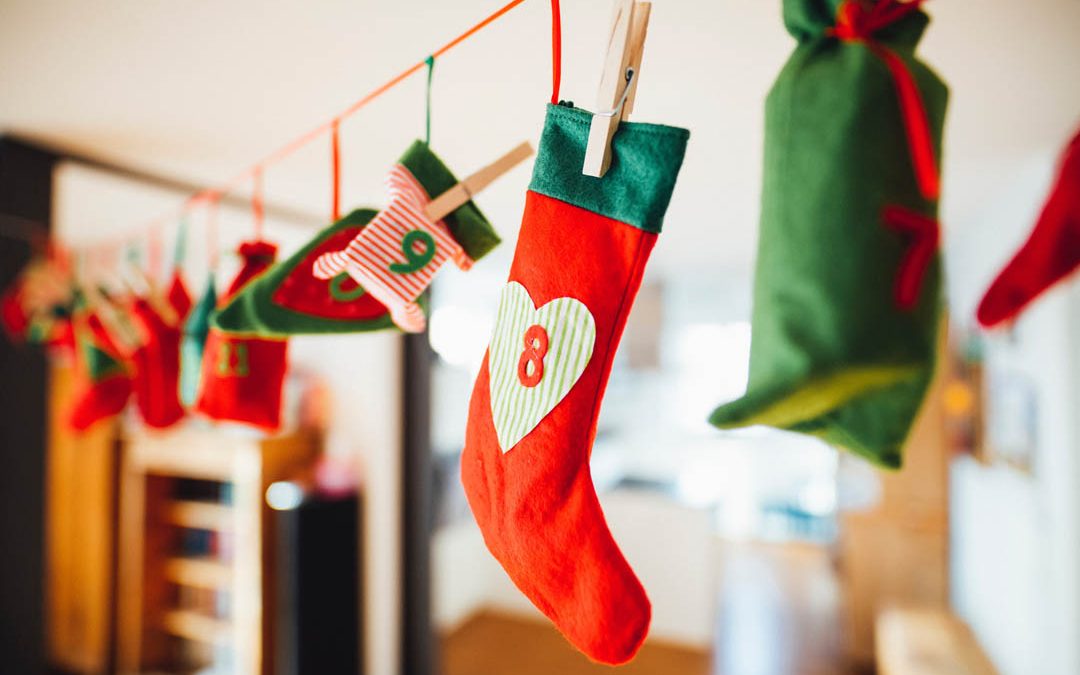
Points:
[858,21]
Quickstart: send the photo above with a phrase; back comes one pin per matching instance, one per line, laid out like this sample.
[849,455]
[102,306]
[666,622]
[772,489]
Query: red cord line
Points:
[254,171]
[257,211]
[335,171]
[556,51]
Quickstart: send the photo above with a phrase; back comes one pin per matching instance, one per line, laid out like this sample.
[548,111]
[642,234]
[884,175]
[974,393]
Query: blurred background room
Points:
[343,542]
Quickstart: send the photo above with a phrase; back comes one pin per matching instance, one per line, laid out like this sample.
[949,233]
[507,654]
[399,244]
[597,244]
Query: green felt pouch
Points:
[832,353]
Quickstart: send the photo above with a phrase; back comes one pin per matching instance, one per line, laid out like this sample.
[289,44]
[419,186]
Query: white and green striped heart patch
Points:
[530,374]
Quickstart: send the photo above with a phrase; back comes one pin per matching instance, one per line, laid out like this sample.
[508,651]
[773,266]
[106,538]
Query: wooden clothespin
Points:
[618,83]
[450,200]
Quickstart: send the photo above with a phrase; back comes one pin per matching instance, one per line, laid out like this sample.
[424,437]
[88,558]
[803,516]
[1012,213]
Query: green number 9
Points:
[415,261]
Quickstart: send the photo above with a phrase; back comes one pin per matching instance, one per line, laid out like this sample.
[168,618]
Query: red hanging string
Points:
[556,51]
[335,168]
[257,210]
[153,253]
[857,22]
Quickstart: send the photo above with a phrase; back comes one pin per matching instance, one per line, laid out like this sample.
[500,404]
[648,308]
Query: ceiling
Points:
[198,89]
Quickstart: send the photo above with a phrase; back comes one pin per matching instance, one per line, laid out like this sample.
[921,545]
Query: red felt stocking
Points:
[13,315]
[1051,252]
[104,382]
[532,419]
[157,369]
[178,295]
[242,377]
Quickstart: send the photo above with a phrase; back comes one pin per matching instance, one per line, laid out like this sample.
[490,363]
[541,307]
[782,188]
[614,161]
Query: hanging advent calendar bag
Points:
[193,343]
[344,293]
[103,381]
[847,293]
[243,375]
[580,256]
[157,362]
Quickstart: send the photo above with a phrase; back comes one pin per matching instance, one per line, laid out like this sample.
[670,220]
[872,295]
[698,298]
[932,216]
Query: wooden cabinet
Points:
[80,540]
[158,628]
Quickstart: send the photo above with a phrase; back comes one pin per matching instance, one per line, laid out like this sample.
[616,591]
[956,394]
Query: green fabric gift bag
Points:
[847,291]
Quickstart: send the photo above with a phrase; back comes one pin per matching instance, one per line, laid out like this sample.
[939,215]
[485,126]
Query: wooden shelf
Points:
[199,573]
[197,627]
[200,515]
[150,561]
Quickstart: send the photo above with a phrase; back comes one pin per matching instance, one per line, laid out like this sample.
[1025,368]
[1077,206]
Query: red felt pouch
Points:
[243,377]
[157,369]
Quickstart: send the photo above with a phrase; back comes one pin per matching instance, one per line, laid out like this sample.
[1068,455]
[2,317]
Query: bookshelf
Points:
[195,566]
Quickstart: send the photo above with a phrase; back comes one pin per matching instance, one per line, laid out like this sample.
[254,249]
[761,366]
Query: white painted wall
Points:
[1015,564]
[669,546]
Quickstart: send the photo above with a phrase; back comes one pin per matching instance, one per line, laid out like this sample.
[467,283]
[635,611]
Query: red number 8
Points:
[536,348]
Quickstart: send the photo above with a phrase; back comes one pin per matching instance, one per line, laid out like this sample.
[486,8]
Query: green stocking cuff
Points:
[645,160]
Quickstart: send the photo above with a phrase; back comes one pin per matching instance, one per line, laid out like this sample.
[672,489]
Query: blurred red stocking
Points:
[104,382]
[1051,253]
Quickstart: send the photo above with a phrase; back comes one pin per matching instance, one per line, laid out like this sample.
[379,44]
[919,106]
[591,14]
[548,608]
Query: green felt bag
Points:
[835,351]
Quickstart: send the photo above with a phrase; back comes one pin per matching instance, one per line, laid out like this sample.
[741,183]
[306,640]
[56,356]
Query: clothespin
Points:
[453,198]
[618,83]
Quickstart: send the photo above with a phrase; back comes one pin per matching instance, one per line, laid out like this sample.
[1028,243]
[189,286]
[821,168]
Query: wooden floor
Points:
[777,615]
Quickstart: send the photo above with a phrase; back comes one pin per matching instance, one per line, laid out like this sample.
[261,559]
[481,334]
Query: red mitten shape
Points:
[1051,253]
[157,369]
[243,377]
[532,419]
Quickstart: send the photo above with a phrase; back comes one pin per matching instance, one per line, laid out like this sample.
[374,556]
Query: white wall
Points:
[1015,563]
[670,547]
[362,371]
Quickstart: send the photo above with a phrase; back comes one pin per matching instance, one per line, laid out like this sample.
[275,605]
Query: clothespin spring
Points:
[617,110]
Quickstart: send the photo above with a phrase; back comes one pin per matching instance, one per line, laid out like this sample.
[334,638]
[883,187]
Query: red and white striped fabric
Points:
[397,255]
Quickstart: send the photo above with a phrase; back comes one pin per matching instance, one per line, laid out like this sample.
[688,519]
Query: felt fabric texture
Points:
[54,330]
[242,380]
[534,501]
[178,296]
[157,368]
[243,376]
[193,343]
[13,316]
[103,381]
[466,223]
[1050,254]
[637,187]
[834,351]
[397,255]
[290,300]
